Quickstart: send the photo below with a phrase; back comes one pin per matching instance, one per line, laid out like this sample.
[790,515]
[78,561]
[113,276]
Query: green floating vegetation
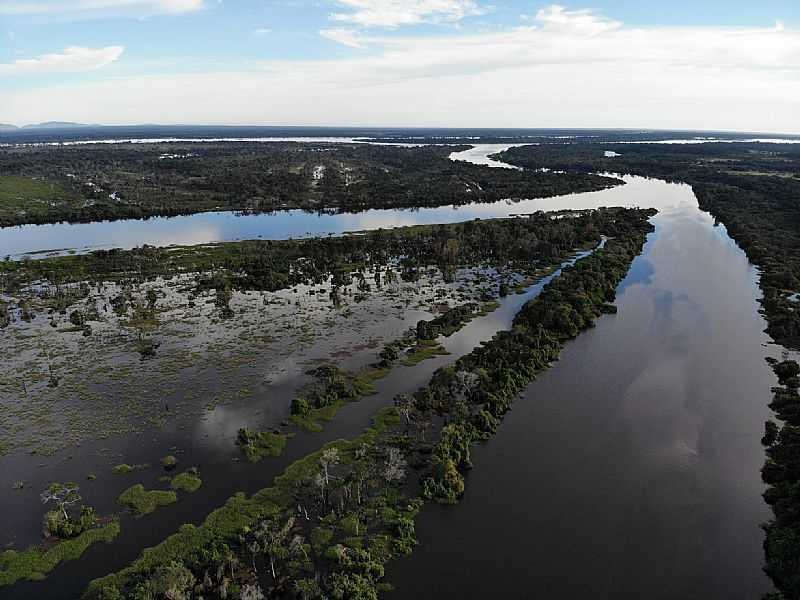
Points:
[424,350]
[192,543]
[331,390]
[122,469]
[142,501]
[188,481]
[34,563]
[257,445]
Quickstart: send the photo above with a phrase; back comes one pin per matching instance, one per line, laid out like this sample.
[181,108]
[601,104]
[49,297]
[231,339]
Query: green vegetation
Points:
[448,322]
[122,469]
[188,481]
[262,529]
[90,183]
[30,199]
[333,519]
[257,445]
[142,501]
[781,473]
[332,388]
[35,563]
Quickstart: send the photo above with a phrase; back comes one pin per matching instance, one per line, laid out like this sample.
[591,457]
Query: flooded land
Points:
[398,368]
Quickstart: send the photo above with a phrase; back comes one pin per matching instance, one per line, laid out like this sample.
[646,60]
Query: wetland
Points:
[331,415]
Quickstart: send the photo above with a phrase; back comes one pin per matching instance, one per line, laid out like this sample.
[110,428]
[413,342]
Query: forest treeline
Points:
[781,473]
[526,243]
[334,519]
[97,182]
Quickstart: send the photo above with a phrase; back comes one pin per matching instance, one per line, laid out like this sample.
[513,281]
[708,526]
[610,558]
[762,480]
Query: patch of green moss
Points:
[34,564]
[424,352]
[142,501]
[260,444]
[187,481]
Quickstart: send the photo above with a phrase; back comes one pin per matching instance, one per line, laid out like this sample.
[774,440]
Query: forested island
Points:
[101,182]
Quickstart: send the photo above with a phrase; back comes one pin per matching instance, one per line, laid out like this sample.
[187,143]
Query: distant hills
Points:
[46,125]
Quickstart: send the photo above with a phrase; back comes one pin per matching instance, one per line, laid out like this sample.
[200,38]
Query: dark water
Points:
[631,468]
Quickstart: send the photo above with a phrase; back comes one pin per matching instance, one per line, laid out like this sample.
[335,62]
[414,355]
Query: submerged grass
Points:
[34,563]
[187,481]
[142,501]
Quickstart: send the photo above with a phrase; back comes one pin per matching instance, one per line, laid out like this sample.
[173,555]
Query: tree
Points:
[395,467]
[273,538]
[405,405]
[329,458]
[63,495]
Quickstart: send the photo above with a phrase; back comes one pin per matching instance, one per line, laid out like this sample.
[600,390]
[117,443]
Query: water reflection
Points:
[226,226]
[633,464]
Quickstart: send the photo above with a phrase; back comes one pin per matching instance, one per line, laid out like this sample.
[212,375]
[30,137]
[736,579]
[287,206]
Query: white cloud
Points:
[393,13]
[119,7]
[262,31]
[586,22]
[348,37]
[563,69]
[73,59]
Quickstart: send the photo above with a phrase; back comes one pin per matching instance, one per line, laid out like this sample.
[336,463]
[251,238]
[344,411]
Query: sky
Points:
[683,64]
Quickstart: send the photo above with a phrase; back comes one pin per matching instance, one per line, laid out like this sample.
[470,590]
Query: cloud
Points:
[262,31]
[585,22]
[98,7]
[393,13]
[348,37]
[562,69]
[72,60]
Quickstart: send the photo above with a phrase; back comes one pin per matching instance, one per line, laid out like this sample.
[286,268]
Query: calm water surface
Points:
[630,469]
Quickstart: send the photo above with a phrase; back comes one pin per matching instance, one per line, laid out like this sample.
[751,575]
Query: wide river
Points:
[628,470]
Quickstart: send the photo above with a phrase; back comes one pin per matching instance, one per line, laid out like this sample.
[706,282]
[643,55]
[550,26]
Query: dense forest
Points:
[526,243]
[781,473]
[95,182]
[332,520]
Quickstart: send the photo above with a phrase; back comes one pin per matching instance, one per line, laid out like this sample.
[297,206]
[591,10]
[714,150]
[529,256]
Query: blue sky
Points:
[368,62]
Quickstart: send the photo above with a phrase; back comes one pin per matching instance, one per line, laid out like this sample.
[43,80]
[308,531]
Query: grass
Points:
[265,443]
[424,350]
[24,195]
[143,502]
[34,563]
[187,481]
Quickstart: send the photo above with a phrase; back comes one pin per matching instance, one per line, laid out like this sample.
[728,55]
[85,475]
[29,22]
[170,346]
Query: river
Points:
[629,469]
[632,468]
